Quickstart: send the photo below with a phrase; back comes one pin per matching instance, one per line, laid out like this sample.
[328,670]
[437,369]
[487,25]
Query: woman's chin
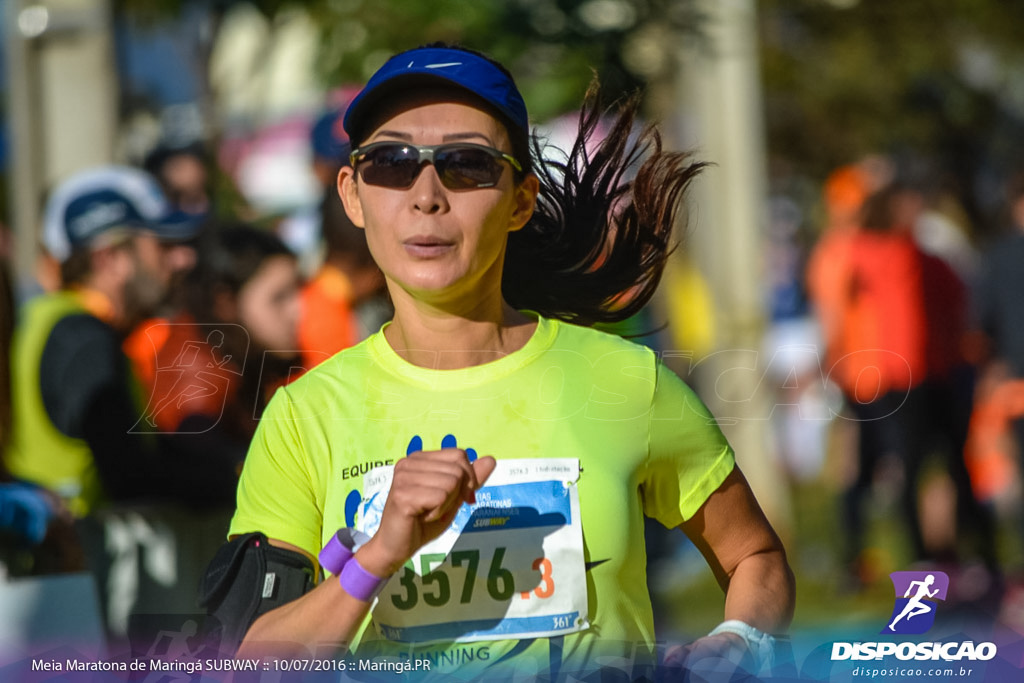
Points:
[430,285]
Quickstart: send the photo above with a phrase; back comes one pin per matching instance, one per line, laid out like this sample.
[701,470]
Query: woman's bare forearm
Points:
[762,592]
[325,618]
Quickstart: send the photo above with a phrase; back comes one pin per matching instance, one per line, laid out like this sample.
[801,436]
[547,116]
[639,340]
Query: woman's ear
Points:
[525,202]
[348,190]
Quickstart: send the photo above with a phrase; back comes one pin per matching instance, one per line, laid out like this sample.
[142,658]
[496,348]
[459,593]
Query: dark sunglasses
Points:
[460,165]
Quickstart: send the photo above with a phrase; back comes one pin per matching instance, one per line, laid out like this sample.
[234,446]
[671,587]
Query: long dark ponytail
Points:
[595,249]
[597,245]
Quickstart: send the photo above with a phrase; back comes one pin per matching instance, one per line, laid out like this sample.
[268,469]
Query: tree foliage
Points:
[936,78]
[944,78]
[553,46]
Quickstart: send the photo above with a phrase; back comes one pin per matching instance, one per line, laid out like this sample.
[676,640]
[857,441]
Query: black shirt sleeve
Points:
[86,391]
[82,359]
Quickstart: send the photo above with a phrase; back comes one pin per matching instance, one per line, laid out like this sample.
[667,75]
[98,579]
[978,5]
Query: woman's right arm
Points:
[327,616]
[427,490]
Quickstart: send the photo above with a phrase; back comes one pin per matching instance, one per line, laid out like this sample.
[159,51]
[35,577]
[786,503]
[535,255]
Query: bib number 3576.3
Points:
[510,566]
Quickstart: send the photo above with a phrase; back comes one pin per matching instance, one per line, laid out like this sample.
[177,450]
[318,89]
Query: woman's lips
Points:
[423,246]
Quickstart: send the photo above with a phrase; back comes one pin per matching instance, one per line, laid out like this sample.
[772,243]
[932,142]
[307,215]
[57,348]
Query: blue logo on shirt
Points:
[449,441]
[354,497]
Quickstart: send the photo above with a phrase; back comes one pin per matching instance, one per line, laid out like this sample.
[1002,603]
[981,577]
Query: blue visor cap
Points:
[462,69]
[97,200]
[96,212]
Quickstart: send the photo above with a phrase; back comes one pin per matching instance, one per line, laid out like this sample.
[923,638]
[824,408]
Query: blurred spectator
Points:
[949,390]
[845,191]
[24,512]
[999,312]
[345,301]
[329,148]
[145,504]
[116,239]
[183,174]
[876,334]
[897,350]
[28,514]
[219,362]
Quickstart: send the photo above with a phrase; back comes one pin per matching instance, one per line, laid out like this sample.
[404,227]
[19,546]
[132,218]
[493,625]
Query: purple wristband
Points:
[335,555]
[359,583]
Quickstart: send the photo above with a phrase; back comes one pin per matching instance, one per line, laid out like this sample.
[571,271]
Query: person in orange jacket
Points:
[342,303]
[873,312]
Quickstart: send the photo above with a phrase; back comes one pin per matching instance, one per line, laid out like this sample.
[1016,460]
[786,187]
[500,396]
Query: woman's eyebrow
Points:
[469,135]
[392,134]
[450,137]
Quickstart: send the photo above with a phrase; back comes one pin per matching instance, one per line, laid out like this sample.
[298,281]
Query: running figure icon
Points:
[916,606]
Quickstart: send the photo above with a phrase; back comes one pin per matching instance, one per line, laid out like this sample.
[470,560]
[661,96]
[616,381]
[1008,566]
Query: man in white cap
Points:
[118,243]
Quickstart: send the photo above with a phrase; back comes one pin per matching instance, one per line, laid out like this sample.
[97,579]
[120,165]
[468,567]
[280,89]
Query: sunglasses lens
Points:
[390,166]
[460,167]
[464,168]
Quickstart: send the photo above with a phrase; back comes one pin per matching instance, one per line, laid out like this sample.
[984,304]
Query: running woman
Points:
[498,454]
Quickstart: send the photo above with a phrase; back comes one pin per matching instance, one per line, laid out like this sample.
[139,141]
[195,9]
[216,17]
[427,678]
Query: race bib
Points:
[510,566]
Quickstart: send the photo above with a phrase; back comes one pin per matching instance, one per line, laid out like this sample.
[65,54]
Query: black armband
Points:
[246,578]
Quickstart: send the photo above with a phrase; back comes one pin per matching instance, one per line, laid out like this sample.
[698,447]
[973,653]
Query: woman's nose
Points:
[429,193]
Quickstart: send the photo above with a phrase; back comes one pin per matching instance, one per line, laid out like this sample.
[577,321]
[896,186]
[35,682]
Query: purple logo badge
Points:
[916,596]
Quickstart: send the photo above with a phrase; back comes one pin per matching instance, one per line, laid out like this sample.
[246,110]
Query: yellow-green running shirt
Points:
[645,443]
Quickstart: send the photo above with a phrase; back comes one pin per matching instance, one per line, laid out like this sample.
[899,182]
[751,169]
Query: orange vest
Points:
[184,371]
[327,323]
[875,314]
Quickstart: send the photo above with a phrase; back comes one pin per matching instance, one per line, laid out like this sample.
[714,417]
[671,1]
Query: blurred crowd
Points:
[916,320]
[134,379]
